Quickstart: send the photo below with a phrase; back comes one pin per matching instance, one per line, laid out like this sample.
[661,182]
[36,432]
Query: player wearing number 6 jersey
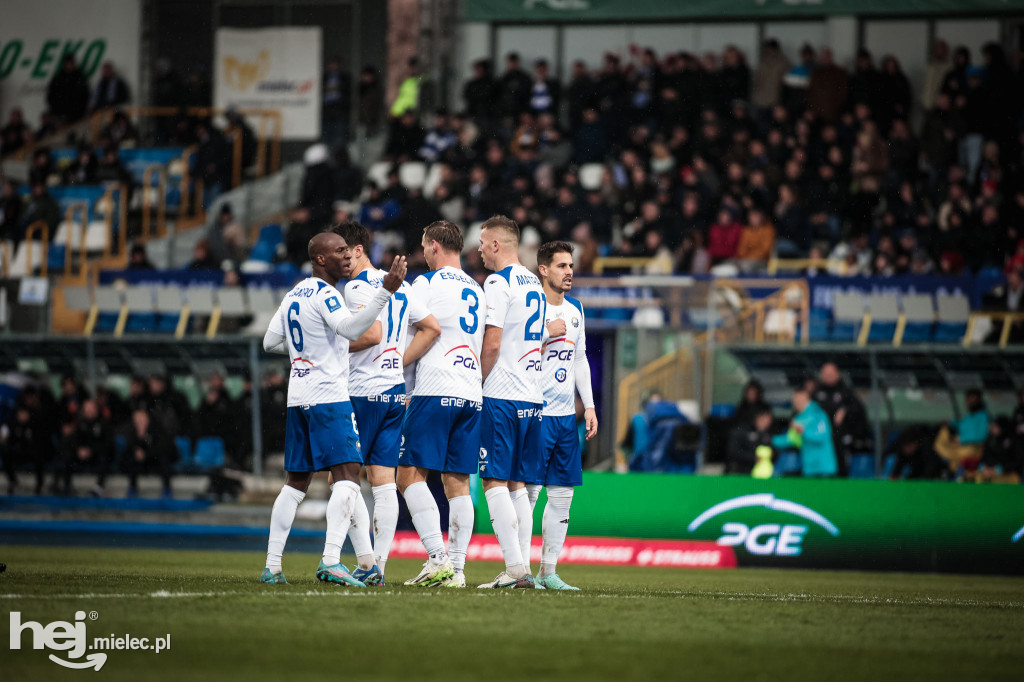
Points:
[510,431]
[314,328]
[442,424]
[566,371]
[377,387]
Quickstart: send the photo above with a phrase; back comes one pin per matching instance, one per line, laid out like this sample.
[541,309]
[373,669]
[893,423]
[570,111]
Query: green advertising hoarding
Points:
[813,523]
[602,10]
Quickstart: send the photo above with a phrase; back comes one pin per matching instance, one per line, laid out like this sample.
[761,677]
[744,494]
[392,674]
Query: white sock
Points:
[385,520]
[554,527]
[281,519]
[359,533]
[426,518]
[460,529]
[524,513]
[506,529]
[339,517]
[533,490]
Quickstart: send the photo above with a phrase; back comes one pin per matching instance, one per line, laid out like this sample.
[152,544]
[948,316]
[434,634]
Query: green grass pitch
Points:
[627,624]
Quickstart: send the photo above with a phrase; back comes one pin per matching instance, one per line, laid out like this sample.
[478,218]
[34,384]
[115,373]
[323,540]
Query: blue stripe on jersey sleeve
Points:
[320,286]
[575,302]
[429,275]
[363,276]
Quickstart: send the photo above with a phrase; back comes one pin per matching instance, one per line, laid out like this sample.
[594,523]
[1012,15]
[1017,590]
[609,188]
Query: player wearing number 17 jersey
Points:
[377,388]
[442,424]
[510,432]
[313,327]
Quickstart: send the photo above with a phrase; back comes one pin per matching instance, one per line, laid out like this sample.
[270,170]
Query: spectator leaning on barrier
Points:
[962,442]
[811,434]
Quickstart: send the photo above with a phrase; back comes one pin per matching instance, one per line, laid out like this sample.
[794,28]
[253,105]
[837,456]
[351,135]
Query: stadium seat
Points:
[170,309]
[261,300]
[847,316]
[184,447]
[722,410]
[209,453]
[255,267]
[433,181]
[19,262]
[378,173]
[820,324]
[954,312]
[412,174]
[200,301]
[142,315]
[272,234]
[884,310]
[108,308]
[918,317]
[862,466]
[591,176]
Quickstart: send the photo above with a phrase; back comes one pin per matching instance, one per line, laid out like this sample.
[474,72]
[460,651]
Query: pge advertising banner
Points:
[35,36]
[272,68]
[812,523]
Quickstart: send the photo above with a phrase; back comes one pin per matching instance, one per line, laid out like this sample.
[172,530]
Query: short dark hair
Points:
[354,234]
[446,233]
[546,252]
[502,223]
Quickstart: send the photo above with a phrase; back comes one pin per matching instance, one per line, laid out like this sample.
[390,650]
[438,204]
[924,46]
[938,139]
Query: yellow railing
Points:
[43,229]
[609,262]
[5,255]
[82,209]
[122,220]
[161,207]
[833,265]
[1007,319]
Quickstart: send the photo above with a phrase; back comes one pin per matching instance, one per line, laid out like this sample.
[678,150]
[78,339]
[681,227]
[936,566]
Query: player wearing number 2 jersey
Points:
[314,328]
[442,423]
[377,389]
[510,431]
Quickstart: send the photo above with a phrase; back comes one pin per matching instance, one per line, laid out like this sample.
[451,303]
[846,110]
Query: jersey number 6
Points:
[294,329]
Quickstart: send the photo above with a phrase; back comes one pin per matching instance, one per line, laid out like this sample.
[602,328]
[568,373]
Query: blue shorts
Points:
[562,459]
[510,441]
[379,418]
[318,437]
[441,434]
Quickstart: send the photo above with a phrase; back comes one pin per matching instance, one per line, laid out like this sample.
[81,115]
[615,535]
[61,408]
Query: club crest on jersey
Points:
[560,375]
[575,322]
[333,304]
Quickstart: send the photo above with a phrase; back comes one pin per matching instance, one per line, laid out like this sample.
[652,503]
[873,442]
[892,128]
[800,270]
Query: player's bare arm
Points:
[489,351]
[370,339]
[427,332]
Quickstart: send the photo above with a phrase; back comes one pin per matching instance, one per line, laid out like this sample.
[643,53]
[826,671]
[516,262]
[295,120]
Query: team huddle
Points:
[441,375]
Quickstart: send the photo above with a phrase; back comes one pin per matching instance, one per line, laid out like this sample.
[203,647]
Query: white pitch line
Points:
[728,596]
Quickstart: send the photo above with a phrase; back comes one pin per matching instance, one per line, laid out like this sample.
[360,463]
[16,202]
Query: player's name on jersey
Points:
[527,279]
[456,276]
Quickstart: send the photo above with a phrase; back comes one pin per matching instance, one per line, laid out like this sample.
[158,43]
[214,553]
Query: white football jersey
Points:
[451,367]
[561,354]
[307,318]
[516,303]
[377,369]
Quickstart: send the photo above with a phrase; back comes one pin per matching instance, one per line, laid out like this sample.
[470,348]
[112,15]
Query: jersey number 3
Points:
[471,320]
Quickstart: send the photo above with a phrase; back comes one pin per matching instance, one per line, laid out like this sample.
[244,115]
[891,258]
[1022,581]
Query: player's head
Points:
[499,240]
[330,256]
[441,237]
[356,236]
[554,261]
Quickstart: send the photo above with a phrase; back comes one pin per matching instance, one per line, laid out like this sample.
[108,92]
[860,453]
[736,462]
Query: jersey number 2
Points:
[537,319]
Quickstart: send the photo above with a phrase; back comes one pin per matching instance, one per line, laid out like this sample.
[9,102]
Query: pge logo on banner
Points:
[71,638]
[768,538]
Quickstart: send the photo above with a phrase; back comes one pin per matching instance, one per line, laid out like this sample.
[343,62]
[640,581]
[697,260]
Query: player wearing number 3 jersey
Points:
[442,424]
[510,432]
[314,328]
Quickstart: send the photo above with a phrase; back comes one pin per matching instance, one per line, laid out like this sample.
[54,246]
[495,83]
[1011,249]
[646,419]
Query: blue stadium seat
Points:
[209,453]
[184,446]
[862,466]
[888,465]
[55,257]
[820,324]
[272,234]
[722,410]
[788,463]
[136,161]
[263,251]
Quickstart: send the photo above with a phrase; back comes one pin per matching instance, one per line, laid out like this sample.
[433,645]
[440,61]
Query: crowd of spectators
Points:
[704,161]
[830,427]
[76,432]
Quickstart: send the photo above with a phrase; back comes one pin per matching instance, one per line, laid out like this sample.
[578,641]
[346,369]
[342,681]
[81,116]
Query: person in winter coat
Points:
[811,434]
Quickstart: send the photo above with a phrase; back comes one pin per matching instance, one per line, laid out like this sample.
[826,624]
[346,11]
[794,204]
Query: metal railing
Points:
[82,209]
[147,202]
[43,229]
